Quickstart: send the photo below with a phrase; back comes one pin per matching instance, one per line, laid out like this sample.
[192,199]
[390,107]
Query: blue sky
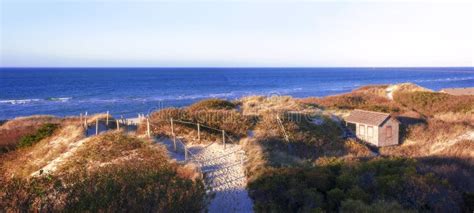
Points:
[236,33]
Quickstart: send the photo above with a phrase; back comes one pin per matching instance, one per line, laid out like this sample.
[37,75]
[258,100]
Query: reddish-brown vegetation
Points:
[431,103]
[232,122]
[12,131]
[355,100]
[212,104]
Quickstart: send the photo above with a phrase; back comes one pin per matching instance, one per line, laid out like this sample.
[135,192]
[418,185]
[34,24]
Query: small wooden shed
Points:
[379,129]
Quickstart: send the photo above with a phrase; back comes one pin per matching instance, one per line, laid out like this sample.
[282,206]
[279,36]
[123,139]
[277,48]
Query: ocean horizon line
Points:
[238,67]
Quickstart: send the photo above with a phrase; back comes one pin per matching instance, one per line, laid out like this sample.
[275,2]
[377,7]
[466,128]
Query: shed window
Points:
[388,131]
[370,131]
[361,130]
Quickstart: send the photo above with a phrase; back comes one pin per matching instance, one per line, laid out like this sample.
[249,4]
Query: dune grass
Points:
[12,131]
[258,105]
[23,162]
[431,103]
[354,101]
[109,172]
[232,122]
[44,131]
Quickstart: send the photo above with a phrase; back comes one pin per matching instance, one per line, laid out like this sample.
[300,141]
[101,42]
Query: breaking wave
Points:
[445,79]
[34,100]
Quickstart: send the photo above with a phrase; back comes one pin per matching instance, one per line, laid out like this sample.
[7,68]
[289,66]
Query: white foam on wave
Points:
[193,97]
[445,79]
[229,95]
[19,101]
[34,100]
[60,99]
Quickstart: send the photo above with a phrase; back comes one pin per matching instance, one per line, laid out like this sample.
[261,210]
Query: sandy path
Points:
[390,89]
[72,147]
[223,173]
[52,165]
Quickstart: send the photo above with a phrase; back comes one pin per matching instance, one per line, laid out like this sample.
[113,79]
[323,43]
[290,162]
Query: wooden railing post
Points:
[174,142]
[107,119]
[118,124]
[199,132]
[185,153]
[96,126]
[148,127]
[172,126]
[223,138]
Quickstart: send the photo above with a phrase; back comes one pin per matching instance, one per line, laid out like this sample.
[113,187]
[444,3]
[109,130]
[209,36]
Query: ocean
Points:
[128,91]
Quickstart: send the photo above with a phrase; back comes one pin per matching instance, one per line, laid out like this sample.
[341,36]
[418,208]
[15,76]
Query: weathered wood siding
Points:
[379,136]
[389,141]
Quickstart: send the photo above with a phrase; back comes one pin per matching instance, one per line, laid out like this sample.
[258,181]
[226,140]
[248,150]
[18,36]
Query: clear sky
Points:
[236,33]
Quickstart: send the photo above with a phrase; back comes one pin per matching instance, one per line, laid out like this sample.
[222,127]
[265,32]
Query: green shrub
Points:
[45,131]
[469,199]
[356,193]
[368,181]
[335,196]
[113,189]
[352,205]
[290,190]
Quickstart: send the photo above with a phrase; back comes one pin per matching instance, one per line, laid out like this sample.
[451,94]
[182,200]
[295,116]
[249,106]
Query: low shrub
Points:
[355,100]
[350,205]
[305,138]
[13,130]
[431,103]
[258,105]
[232,122]
[437,130]
[211,104]
[44,131]
[111,189]
[334,186]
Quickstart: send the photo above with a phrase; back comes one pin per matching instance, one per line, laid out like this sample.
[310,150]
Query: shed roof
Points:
[367,117]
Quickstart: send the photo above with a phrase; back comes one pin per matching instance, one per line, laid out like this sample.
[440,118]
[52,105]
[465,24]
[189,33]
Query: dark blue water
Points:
[127,91]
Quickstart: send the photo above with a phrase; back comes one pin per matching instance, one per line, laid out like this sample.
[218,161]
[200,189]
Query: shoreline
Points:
[135,119]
